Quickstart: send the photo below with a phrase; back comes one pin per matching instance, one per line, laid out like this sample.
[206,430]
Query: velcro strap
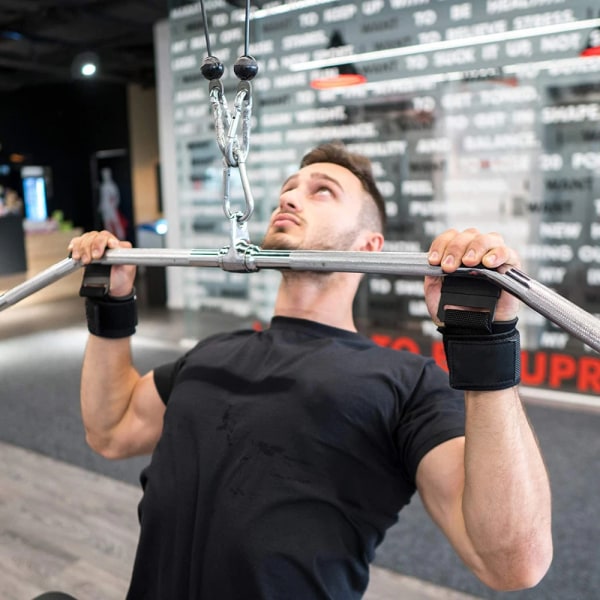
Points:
[471,292]
[483,362]
[96,281]
[110,318]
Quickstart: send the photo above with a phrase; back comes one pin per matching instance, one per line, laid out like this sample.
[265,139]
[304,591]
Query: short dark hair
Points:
[357,164]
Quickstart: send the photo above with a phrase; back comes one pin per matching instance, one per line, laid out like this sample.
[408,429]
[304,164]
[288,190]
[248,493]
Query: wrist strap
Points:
[473,292]
[483,362]
[482,355]
[96,281]
[110,317]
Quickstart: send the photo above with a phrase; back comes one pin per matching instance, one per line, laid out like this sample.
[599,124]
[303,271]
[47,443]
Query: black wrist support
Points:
[107,316]
[483,361]
[111,317]
[482,355]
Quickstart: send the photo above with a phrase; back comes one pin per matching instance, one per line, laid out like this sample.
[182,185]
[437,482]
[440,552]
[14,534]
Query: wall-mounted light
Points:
[593,43]
[342,75]
[337,81]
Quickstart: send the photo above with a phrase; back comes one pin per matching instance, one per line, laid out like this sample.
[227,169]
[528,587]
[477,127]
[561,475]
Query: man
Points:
[281,457]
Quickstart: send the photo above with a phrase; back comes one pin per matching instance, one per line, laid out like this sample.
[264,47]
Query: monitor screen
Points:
[34,192]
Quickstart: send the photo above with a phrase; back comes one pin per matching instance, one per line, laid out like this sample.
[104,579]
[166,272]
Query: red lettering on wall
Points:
[588,378]
[404,343]
[538,369]
[537,376]
[381,339]
[399,343]
[562,366]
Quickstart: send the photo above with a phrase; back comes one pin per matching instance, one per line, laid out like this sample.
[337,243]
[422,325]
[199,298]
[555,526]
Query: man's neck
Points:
[322,297]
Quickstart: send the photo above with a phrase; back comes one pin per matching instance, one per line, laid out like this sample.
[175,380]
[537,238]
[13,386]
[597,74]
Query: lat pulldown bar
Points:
[250,258]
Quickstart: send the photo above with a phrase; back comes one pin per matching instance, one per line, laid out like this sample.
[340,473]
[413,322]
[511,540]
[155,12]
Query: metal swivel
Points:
[245,68]
[212,68]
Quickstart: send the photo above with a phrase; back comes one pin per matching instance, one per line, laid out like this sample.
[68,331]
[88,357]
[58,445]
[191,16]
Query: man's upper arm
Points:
[142,425]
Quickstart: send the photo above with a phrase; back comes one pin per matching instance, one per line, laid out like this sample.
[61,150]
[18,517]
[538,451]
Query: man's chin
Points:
[276,241]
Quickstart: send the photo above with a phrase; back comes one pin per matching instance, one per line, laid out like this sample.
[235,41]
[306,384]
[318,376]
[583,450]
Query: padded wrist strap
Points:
[483,362]
[482,355]
[111,318]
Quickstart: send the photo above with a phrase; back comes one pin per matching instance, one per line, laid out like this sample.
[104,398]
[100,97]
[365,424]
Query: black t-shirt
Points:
[285,456]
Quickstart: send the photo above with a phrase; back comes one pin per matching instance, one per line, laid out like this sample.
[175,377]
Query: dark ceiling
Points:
[40,39]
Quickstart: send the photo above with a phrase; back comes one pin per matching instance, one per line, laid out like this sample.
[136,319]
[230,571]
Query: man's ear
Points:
[370,241]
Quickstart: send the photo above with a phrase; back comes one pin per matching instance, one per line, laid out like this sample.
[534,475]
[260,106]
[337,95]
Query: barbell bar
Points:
[249,258]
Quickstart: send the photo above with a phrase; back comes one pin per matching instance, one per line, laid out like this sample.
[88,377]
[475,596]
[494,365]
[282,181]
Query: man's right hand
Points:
[91,246]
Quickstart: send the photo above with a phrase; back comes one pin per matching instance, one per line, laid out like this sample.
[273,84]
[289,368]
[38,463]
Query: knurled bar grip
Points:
[553,306]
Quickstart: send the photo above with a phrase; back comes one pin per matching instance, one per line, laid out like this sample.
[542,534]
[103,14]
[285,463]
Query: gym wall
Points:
[483,114]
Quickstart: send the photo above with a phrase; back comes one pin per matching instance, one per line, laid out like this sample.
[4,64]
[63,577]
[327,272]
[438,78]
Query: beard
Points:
[340,241]
[278,240]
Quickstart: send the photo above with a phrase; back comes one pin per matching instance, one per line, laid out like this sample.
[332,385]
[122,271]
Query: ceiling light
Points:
[85,65]
[88,69]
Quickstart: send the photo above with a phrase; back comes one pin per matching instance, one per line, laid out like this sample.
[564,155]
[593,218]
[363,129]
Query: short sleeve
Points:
[434,413]
[164,378]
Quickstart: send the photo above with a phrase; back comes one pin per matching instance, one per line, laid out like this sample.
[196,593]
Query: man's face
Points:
[319,209]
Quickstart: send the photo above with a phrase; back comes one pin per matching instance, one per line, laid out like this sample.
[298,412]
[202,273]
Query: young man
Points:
[281,457]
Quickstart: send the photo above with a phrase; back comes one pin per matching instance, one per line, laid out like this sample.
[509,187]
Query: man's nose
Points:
[291,200]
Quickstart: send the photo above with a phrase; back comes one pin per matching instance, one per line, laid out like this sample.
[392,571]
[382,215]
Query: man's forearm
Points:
[107,383]
[506,502]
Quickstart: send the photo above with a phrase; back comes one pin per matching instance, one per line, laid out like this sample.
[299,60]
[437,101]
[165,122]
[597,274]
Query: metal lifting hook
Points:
[227,125]
[233,150]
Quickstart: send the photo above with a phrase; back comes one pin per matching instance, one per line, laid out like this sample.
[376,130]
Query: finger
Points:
[73,247]
[101,241]
[488,248]
[438,246]
[458,247]
[81,247]
[500,255]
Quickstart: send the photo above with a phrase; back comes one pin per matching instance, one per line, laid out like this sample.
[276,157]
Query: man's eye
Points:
[324,189]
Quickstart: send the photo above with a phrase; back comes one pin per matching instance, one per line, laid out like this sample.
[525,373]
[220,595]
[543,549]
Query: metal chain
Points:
[233,143]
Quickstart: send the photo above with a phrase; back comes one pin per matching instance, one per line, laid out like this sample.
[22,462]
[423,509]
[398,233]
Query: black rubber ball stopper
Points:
[245,68]
[212,68]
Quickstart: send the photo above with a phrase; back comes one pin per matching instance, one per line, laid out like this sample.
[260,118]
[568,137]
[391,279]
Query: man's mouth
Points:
[283,219]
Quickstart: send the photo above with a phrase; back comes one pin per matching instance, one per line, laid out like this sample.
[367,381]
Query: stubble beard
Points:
[343,241]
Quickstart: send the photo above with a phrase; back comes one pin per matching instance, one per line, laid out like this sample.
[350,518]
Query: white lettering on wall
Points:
[544,19]
[424,18]
[586,160]
[559,253]
[336,14]
[560,230]
[372,7]
[572,113]
[551,275]
[563,42]
[318,37]
[500,6]
[459,12]
[454,33]
[417,187]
